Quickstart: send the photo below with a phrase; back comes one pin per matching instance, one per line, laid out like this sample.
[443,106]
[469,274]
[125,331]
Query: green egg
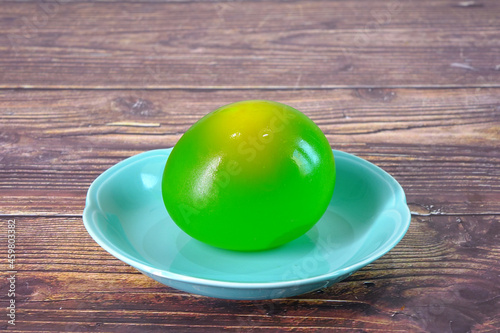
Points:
[251,175]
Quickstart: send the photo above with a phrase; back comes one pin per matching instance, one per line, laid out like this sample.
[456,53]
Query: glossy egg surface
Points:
[251,175]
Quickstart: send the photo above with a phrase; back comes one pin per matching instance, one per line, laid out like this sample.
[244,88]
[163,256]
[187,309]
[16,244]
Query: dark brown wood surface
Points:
[412,86]
[254,44]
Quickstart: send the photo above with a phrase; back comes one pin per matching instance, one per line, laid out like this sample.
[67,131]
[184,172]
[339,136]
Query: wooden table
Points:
[412,86]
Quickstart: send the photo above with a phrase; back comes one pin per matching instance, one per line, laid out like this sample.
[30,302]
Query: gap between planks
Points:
[243,88]
[80,216]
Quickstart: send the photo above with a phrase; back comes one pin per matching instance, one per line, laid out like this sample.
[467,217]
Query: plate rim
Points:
[91,205]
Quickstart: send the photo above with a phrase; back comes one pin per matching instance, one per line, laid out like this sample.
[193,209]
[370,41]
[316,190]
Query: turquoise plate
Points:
[366,218]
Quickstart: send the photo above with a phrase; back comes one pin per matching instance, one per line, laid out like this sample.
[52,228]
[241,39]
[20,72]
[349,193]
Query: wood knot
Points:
[135,106]
[331,25]
[469,4]
[376,94]
[9,137]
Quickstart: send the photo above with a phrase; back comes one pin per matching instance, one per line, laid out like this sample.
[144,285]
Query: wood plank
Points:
[256,44]
[444,272]
[441,145]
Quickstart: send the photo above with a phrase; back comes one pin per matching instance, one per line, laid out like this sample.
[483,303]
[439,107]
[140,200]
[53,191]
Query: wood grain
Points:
[443,274]
[412,86]
[255,44]
[55,143]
